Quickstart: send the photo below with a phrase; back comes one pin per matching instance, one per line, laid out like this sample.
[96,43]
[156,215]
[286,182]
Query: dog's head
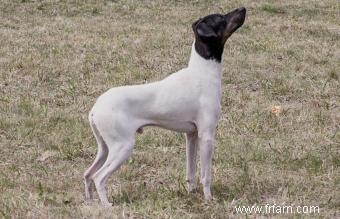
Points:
[212,31]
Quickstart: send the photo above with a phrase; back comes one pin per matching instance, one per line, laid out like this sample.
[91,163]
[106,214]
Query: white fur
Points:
[186,101]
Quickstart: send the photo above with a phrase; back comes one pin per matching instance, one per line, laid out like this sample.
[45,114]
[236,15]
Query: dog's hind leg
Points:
[119,151]
[97,163]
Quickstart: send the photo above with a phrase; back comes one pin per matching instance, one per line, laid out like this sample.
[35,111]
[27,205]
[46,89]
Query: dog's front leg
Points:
[206,146]
[191,152]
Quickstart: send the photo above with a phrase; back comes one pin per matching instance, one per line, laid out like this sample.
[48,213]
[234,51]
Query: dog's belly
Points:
[177,126]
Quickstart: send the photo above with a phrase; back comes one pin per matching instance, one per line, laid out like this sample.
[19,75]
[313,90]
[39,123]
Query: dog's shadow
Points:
[129,193]
[132,193]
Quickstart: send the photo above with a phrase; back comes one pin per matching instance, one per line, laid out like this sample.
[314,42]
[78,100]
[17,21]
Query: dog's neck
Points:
[207,66]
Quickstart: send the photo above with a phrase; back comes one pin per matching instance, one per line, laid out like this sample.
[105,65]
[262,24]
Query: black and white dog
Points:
[187,101]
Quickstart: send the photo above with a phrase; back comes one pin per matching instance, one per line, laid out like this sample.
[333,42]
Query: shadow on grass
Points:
[138,193]
[134,193]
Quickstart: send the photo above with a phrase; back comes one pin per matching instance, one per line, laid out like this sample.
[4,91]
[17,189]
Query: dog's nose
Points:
[241,9]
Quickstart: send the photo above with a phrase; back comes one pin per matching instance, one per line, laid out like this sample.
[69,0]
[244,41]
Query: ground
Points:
[277,142]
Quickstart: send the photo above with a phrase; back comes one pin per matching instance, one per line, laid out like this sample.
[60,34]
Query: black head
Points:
[212,31]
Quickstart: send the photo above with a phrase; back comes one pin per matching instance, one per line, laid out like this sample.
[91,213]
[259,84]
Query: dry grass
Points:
[57,57]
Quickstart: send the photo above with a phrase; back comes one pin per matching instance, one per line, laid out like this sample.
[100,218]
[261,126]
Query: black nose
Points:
[241,9]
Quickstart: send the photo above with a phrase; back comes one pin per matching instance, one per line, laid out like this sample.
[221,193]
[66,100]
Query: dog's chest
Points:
[210,99]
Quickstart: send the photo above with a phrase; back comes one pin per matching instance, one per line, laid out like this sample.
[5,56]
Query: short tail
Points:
[95,129]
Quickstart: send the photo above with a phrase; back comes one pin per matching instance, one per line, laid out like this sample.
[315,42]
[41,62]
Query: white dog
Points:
[186,101]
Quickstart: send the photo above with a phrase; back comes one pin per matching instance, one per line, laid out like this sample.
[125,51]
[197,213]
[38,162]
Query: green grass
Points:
[56,58]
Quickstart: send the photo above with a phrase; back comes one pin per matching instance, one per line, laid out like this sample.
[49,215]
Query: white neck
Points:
[206,66]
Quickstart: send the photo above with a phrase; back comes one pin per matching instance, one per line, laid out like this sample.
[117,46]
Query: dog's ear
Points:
[203,30]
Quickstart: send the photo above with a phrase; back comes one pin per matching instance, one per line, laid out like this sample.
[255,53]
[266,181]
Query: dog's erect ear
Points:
[203,30]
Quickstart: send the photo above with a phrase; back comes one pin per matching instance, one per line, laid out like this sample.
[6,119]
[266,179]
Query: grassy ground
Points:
[56,58]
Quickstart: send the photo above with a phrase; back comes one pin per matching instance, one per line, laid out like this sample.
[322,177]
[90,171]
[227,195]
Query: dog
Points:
[187,101]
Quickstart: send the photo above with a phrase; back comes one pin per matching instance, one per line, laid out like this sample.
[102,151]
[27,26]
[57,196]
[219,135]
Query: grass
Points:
[56,58]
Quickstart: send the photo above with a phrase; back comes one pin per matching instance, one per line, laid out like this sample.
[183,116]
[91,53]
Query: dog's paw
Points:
[207,193]
[107,205]
[192,189]
[90,201]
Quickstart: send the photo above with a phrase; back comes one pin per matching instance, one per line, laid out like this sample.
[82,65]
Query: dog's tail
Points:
[95,130]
